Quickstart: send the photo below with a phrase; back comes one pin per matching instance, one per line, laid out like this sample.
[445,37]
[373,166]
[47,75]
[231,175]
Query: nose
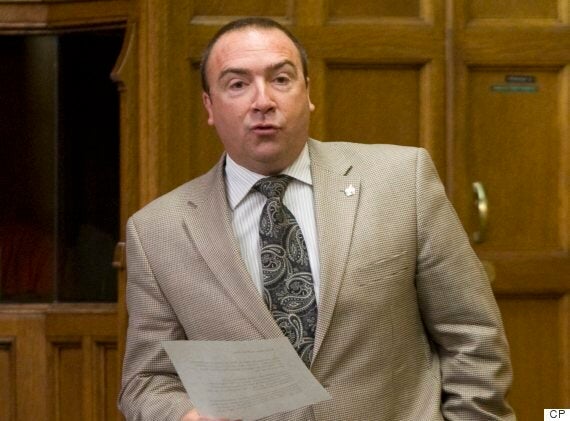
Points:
[263,101]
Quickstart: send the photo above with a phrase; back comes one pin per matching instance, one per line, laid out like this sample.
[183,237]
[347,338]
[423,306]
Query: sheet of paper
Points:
[244,380]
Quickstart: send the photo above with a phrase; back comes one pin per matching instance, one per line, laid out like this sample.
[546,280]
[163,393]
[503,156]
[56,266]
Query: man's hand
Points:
[195,416]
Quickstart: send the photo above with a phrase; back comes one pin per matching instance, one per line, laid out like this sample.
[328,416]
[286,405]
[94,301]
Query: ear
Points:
[207,101]
[311,105]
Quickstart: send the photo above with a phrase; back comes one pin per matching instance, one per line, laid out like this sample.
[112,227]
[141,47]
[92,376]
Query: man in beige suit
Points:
[407,325]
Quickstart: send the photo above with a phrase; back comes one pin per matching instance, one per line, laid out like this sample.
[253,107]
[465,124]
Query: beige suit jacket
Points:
[408,327]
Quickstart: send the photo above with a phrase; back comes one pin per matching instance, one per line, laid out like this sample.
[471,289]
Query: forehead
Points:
[252,46]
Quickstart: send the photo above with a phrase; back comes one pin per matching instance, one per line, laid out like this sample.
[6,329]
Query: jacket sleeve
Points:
[458,308]
[151,389]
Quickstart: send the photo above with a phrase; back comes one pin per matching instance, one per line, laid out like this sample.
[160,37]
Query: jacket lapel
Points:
[336,191]
[209,224]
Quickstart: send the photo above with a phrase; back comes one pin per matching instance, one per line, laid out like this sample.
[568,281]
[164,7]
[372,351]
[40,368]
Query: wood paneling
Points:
[105,369]
[519,121]
[24,329]
[66,376]
[8,376]
[28,16]
[206,148]
[58,362]
[83,372]
[221,8]
[492,9]
[393,91]
[534,327]
[341,9]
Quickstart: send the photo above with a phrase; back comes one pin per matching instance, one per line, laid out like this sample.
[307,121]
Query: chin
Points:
[268,164]
[268,149]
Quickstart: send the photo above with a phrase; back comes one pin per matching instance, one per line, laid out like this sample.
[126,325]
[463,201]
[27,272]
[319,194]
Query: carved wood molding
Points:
[16,17]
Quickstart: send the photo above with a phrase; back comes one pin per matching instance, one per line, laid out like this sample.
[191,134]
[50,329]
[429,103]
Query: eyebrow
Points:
[281,64]
[271,68]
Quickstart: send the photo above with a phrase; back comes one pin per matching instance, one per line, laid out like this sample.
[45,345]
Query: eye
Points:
[282,80]
[236,85]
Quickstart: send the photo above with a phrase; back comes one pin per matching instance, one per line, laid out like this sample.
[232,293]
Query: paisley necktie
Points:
[288,288]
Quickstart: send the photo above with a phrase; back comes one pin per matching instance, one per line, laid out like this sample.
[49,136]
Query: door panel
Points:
[492,9]
[392,92]
[8,374]
[513,144]
[373,8]
[66,373]
[83,375]
[535,326]
[223,9]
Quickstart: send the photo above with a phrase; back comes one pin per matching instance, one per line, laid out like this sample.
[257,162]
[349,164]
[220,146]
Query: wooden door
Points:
[509,131]
[483,85]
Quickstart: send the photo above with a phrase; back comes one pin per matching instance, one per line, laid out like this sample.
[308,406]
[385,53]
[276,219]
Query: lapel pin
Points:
[350,190]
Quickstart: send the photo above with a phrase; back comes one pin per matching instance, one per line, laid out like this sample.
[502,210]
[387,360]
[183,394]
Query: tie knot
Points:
[273,186]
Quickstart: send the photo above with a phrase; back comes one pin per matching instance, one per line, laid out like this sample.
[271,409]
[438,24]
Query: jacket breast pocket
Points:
[384,270]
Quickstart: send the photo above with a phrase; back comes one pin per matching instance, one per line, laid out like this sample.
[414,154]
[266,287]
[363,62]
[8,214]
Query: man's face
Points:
[258,100]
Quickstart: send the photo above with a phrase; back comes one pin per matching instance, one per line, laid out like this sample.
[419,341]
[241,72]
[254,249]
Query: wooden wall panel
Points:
[66,374]
[104,373]
[535,329]
[206,148]
[162,147]
[83,373]
[391,91]
[48,15]
[58,362]
[8,376]
[275,8]
[493,9]
[28,328]
[374,9]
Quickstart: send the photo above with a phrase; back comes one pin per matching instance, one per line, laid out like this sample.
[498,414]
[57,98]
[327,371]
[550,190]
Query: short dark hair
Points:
[250,22]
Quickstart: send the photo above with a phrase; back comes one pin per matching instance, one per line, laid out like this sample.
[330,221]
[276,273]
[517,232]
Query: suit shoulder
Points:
[176,201]
[371,155]
[375,149]
[163,203]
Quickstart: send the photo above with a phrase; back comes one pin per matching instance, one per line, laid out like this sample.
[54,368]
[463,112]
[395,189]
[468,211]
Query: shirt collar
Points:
[240,180]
